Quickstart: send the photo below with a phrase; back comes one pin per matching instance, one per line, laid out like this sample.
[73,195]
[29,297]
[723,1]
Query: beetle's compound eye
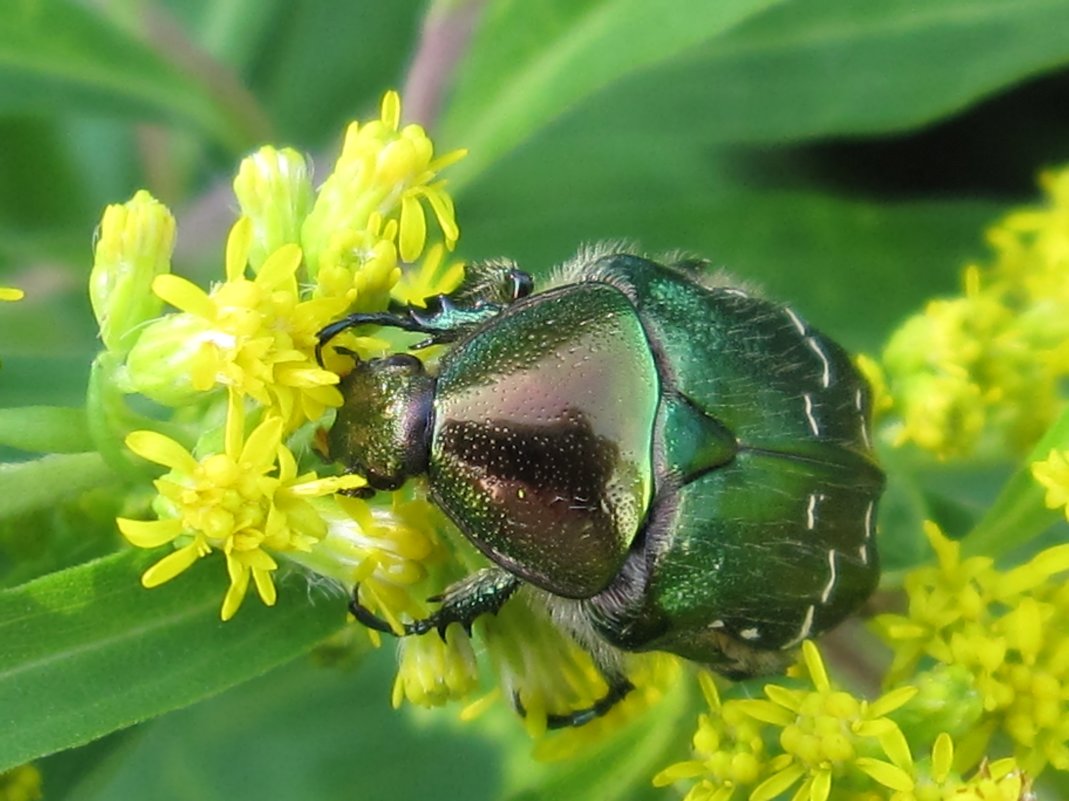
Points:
[382,429]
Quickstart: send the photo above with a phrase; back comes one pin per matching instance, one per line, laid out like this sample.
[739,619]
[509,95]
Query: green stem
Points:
[1019,513]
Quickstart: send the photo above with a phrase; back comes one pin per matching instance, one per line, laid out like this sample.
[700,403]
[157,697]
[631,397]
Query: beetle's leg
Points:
[619,687]
[487,289]
[442,320]
[483,591]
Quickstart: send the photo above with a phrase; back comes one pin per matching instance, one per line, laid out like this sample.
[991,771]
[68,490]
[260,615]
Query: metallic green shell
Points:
[542,437]
[766,482]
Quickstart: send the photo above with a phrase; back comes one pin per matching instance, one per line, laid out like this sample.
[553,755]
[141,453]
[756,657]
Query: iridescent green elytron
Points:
[677,464]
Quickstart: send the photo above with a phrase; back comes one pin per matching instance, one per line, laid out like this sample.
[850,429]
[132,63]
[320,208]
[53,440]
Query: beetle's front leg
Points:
[485,591]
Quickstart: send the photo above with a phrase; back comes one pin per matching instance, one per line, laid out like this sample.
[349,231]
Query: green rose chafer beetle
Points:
[669,461]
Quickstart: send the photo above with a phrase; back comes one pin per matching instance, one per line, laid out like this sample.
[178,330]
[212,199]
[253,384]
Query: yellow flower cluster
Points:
[984,369]
[816,742]
[811,740]
[1009,630]
[242,355]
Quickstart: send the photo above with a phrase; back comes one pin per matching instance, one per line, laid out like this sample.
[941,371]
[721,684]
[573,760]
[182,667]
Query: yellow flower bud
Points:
[274,190]
[133,246]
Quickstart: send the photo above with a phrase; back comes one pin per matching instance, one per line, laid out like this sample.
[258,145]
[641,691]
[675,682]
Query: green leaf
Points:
[806,70]
[533,61]
[57,56]
[45,429]
[1019,513]
[88,650]
[26,486]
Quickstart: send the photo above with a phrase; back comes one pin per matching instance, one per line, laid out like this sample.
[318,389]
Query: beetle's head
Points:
[382,431]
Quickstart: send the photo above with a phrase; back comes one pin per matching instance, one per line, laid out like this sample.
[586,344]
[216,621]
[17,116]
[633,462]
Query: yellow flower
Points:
[386,170]
[8,293]
[827,734]
[247,502]
[254,337]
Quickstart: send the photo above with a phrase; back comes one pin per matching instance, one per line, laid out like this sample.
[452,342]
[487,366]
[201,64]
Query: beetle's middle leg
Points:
[484,591]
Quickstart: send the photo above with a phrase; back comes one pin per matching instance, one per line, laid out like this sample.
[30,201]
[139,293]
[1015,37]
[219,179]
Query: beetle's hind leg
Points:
[484,591]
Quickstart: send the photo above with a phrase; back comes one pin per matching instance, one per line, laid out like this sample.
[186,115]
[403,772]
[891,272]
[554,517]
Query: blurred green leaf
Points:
[45,429]
[57,56]
[532,61]
[805,70]
[88,650]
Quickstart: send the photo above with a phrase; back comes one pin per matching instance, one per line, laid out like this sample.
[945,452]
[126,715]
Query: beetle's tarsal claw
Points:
[580,717]
[367,617]
[618,689]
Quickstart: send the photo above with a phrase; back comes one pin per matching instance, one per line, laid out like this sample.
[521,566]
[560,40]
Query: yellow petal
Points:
[891,701]
[261,448]
[821,787]
[237,249]
[391,110]
[184,295]
[163,450]
[170,566]
[150,533]
[777,783]
[239,585]
[886,774]
[942,757]
[265,586]
[413,233]
[765,711]
[280,267]
[815,665]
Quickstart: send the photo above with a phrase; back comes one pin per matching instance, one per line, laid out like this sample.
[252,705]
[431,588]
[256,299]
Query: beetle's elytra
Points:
[686,466]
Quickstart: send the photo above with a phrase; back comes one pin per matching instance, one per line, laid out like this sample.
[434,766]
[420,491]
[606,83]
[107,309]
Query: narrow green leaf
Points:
[57,55]
[1019,512]
[45,429]
[26,486]
[533,61]
[88,650]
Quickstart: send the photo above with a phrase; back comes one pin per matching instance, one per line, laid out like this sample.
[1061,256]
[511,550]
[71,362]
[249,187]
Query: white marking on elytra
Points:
[809,414]
[736,292]
[868,519]
[795,319]
[863,552]
[717,624]
[859,405]
[750,634]
[810,512]
[825,375]
[824,596]
[807,626]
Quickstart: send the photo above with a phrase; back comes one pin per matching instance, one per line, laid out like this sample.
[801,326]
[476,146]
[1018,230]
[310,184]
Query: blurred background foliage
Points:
[842,154]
